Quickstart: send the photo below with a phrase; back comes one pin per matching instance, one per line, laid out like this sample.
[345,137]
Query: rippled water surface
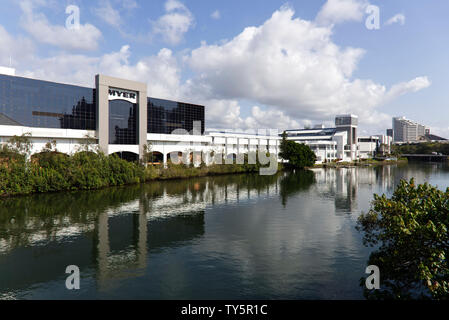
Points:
[290,236]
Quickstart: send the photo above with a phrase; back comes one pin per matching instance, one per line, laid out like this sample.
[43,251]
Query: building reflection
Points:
[116,235]
[118,265]
[341,185]
[111,233]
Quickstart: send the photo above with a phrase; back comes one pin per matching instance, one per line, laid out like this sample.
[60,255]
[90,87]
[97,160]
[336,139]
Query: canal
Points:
[289,236]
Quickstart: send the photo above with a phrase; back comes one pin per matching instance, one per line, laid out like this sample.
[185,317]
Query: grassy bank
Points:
[362,163]
[52,172]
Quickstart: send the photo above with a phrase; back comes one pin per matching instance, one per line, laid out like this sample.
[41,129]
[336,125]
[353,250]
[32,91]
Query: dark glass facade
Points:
[165,116]
[43,104]
[122,122]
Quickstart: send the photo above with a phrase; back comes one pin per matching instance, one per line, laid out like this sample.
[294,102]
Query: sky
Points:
[254,64]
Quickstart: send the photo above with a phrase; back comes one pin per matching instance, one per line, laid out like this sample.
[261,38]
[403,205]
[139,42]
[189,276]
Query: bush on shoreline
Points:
[52,171]
[410,232]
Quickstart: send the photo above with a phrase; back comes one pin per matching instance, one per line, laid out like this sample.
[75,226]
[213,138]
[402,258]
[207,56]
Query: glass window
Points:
[122,122]
[165,116]
[36,103]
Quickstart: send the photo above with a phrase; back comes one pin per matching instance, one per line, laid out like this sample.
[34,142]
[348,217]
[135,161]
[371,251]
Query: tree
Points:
[49,147]
[298,155]
[21,144]
[88,144]
[148,155]
[411,232]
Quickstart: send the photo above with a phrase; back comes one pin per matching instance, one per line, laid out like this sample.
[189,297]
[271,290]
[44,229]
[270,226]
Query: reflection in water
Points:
[215,237]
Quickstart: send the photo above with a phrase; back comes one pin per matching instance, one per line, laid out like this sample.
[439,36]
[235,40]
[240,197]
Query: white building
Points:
[228,144]
[385,142]
[368,146]
[349,123]
[330,144]
[405,130]
[340,143]
[327,143]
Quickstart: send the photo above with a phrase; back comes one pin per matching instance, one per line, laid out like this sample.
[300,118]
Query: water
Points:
[289,236]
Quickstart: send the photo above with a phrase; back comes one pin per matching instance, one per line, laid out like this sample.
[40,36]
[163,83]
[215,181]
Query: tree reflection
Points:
[294,182]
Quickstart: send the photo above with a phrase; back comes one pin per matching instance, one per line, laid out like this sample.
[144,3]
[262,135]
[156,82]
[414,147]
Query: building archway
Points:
[126,155]
[231,156]
[155,157]
[172,158]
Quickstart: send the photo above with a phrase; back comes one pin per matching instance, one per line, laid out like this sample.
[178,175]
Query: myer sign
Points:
[119,94]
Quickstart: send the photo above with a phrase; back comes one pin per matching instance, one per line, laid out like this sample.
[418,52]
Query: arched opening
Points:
[155,158]
[128,156]
[195,158]
[231,156]
[172,158]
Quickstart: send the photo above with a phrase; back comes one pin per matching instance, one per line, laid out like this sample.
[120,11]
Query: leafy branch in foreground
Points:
[410,230]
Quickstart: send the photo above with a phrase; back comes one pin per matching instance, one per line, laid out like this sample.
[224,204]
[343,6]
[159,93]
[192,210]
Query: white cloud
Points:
[269,119]
[108,14]
[440,131]
[129,4]
[175,23]
[289,69]
[216,15]
[399,18]
[402,88]
[338,11]
[14,49]
[292,65]
[38,26]
[160,71]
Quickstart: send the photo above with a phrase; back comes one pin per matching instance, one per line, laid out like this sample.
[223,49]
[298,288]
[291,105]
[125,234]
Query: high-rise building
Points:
[405,130]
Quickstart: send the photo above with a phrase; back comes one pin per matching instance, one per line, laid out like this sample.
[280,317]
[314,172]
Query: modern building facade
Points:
[385,142]
[327,144]
[348,123]
[341,143]
[405,130]
[368,146]
[330,144]
[165,116]
[371,146]
[117,114]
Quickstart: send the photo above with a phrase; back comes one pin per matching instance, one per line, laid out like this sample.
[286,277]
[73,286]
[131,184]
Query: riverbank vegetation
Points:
[421,148]
[361,163]
[410,231]
[51,171]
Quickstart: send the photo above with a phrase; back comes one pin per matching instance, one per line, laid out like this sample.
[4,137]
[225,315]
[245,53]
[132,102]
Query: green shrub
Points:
[51,171]
[410,230]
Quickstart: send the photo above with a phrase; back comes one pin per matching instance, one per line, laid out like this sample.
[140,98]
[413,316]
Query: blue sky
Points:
[270,64]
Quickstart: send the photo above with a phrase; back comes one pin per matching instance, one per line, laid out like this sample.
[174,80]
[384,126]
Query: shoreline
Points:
[366,163]
[155,173]
[174,173]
